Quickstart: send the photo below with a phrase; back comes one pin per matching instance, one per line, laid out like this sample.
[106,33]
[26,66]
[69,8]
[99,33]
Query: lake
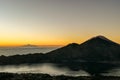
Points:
[52,69]
[49,68]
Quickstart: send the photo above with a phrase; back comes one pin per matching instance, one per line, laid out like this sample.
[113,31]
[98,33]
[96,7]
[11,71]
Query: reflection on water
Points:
[113,72]
[51,69]
[74,69]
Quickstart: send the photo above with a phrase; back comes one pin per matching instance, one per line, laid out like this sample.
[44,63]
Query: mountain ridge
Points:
[93,50]
[98,48]
[95,56]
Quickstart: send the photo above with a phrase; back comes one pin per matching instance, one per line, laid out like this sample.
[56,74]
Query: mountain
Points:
[95,56]
[98,48]
[29,46]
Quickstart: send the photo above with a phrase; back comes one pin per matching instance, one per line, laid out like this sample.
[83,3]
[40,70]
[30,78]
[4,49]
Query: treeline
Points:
[35,76]
[23,59]
[32,58]
[30,76]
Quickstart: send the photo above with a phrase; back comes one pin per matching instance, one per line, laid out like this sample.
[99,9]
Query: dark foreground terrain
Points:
[30,76]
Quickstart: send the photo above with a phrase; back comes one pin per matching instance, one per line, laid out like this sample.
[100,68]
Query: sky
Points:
[57,22]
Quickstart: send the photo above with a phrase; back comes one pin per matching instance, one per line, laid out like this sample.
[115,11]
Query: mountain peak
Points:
[98,40]
[72,45]
[101,37]
[29,45]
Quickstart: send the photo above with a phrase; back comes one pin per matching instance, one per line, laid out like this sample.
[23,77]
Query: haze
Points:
[57,22]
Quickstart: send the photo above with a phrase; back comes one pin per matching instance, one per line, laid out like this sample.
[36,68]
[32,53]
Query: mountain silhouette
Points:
[29,46]
[98,48]
[95,56]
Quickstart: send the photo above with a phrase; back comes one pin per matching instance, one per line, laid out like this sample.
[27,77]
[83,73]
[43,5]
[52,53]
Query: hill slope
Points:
[95,49]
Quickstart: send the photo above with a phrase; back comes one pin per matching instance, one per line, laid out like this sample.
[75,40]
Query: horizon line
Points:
[40,45]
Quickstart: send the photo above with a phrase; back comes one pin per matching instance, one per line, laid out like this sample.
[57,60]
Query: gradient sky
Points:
[57,22]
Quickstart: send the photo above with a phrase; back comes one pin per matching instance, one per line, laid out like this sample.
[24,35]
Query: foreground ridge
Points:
[30,76]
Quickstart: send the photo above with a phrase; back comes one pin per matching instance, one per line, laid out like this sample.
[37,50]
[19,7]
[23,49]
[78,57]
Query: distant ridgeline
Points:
[97,49]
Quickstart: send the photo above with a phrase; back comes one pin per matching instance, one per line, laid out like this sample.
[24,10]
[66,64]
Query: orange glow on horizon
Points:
[52,22]
[7,43]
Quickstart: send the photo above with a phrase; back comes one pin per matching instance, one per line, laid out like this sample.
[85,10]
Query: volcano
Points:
[98,48]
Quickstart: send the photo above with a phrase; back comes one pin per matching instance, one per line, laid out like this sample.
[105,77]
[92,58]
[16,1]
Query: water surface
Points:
[47,68]
[52,69]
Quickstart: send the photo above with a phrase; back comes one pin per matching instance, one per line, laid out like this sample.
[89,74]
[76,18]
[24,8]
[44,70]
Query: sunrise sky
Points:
[57,22]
